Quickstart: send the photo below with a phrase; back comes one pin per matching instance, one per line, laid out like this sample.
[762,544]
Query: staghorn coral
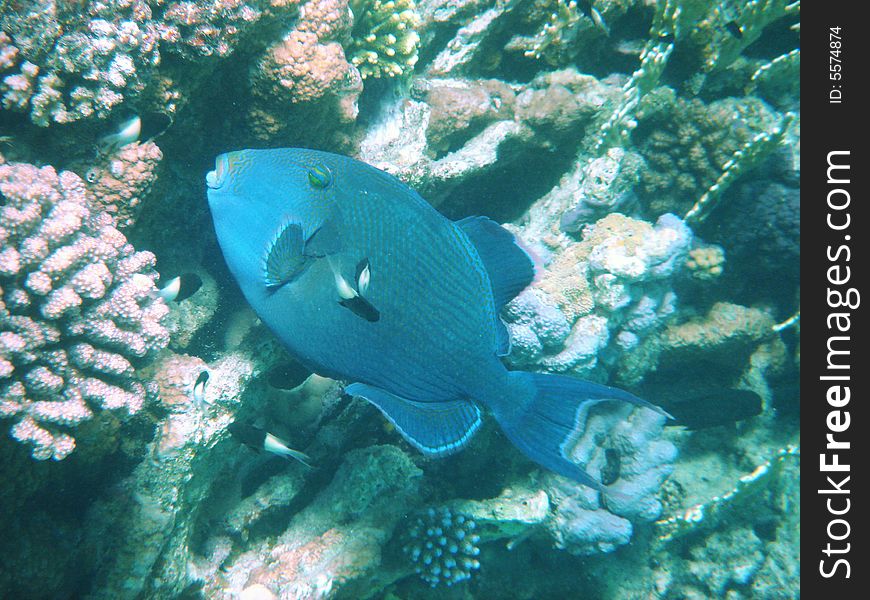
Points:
[119,182]
[742,538]
[715,45]
[78,310]
[563,30]
[384,40]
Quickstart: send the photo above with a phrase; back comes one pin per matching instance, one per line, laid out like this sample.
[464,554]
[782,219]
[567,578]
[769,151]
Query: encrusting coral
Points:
[118,182]
[78,310]
[621,446]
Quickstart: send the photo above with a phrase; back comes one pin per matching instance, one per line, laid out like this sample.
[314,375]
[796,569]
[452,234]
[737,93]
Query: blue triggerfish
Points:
[363,281]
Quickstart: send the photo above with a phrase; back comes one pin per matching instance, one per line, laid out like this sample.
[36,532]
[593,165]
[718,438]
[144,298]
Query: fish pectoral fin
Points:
[284,259]
[361,308]
[435,428]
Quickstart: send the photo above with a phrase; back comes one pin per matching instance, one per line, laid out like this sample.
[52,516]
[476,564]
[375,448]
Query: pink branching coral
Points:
[78,310]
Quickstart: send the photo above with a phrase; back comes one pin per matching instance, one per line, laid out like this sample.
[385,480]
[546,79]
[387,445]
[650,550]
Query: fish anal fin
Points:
[509,267]
[284,260]
[434,428]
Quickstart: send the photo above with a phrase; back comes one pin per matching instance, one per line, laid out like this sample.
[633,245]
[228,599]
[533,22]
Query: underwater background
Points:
[646,152]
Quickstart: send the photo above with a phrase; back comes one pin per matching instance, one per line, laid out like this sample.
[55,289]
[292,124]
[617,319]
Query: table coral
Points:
[78,310]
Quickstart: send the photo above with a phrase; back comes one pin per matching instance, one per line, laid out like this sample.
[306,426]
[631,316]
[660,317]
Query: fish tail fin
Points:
[546,414]
[292,455]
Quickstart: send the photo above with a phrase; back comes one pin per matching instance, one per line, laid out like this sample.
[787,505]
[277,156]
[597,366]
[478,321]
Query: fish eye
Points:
[319,176]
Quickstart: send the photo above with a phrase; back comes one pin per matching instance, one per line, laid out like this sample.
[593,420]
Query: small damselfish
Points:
[363,281]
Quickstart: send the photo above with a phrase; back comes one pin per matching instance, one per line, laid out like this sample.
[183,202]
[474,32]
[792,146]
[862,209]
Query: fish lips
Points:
[216,179]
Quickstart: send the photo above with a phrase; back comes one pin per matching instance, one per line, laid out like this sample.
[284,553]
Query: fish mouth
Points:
[215,179]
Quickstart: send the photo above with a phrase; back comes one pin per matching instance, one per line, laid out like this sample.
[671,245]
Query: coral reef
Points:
[337,539]
[506,126]
[725,335]
[307,66]
[79,310]
[706,262]
[625,143]
[687,154]
[211,27]
[141,543]
[767,233]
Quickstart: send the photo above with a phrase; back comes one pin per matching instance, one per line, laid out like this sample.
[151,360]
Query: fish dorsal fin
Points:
[434,428]
[509,267]
[285,260]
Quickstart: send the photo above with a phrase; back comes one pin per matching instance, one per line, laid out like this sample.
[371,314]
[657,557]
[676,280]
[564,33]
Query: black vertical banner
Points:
[834,340]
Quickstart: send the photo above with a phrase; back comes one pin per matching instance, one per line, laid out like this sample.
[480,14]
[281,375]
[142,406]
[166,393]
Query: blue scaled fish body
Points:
[363,281]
